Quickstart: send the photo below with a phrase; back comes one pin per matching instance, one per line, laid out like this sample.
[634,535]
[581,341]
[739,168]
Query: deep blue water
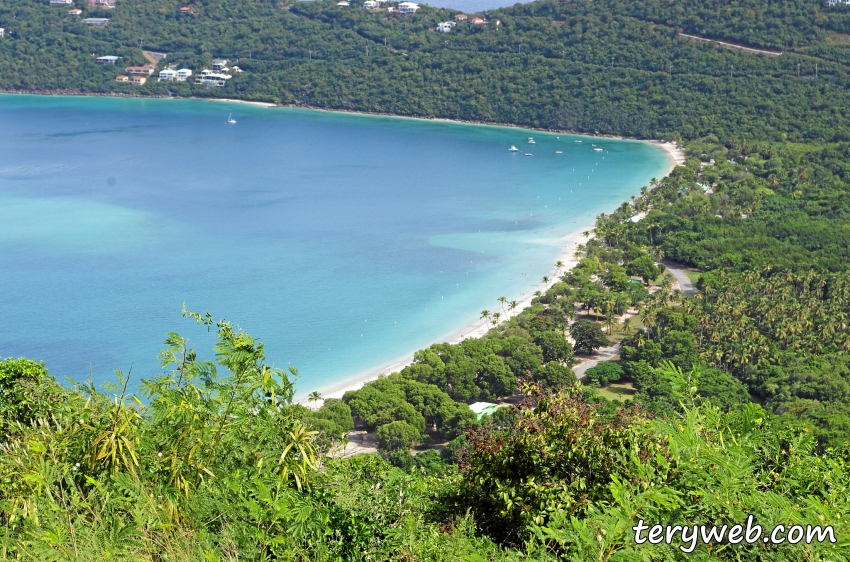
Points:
[342,241]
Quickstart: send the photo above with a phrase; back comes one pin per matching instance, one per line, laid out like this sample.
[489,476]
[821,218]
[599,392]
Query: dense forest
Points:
[730,402]
[590,66]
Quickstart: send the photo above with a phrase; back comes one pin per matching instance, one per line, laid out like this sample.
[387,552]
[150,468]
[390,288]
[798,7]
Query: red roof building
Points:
[140,70]
[461,17]
[478,21]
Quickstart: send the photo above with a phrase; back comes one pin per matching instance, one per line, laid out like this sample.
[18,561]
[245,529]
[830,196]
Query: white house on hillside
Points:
[172,75]
[209,78]
[408,7]
[445,26]
[370,4]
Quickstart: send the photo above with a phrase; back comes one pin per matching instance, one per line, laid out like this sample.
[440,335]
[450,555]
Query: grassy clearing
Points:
[618,391]
[693,275]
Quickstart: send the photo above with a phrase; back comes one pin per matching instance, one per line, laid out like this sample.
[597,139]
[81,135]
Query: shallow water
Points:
[343,241]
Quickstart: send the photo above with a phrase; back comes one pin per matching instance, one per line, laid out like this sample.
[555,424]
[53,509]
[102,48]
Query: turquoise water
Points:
[342,241]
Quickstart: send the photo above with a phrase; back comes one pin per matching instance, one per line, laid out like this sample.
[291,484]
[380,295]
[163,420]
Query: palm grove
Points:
[740,401]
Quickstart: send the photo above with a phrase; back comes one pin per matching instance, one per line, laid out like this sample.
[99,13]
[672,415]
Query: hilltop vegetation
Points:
[606,66]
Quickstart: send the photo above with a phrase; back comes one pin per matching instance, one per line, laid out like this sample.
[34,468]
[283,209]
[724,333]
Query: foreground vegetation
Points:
[741,392]
[219,466]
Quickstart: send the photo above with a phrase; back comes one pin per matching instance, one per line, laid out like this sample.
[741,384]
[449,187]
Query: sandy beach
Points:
[478,327]
[256,103]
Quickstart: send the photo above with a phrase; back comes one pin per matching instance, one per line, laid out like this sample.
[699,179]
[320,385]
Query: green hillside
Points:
[613,67]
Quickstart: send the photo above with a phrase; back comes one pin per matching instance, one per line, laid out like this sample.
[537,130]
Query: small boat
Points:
[558,152]
[513,149]
[231,120]
[578,141]
[531,141]
[597,150]
[529,154]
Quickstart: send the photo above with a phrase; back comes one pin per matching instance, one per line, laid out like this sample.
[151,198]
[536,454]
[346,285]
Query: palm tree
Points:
[314,397]
[513,305]
[609,321]
[559,265]
[545,281]
[502,301]
[627,326]
[485,315]
[496,316]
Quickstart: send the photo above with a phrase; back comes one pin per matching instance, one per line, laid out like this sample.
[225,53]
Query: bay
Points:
[342,241]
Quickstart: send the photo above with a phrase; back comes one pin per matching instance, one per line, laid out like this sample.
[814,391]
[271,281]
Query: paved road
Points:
[604,354]
[678,271]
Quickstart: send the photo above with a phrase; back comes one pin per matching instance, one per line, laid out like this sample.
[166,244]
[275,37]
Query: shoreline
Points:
[472,329]
[479,328]
[676,153]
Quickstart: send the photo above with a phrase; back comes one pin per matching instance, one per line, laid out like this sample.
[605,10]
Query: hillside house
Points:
[110,59]
[461,17]
[478,21]
[2,32]
[343,4]
[445,26]
[219,65]
[146,70]
[833,3]
[122,78]
[210,79]
[107,4]
[185,10]
[408,7]
[172,75]
[75,12]
[138,80]
[61,2]
[97,22]
[370,4]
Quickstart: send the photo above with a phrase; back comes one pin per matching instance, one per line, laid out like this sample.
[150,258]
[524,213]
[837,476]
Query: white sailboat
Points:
[231,120]
[513,149]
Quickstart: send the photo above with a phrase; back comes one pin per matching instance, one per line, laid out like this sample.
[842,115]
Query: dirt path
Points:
[732,45]
[153,57]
